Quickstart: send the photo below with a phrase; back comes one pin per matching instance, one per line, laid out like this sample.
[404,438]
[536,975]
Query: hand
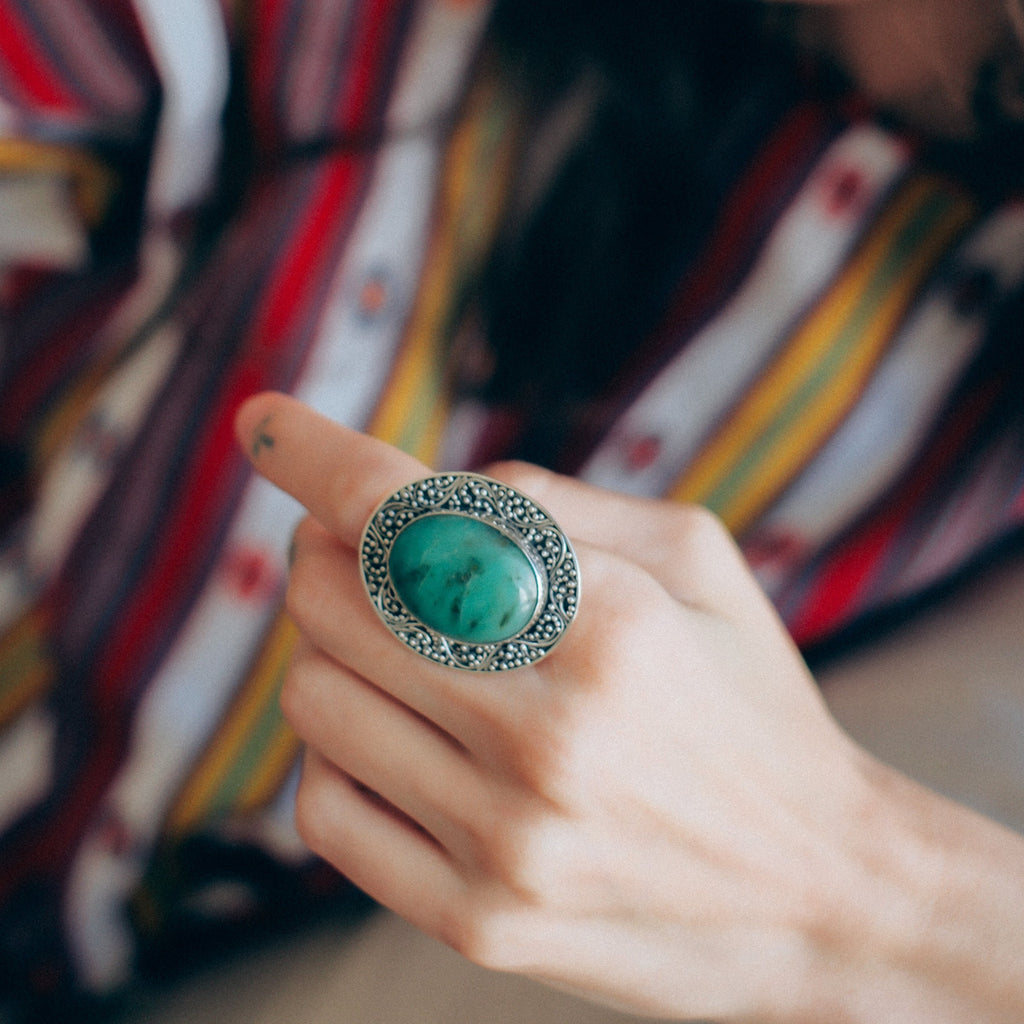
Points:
[661,815]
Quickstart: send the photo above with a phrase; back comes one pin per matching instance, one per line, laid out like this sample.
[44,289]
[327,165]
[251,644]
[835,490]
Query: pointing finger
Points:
[338,474]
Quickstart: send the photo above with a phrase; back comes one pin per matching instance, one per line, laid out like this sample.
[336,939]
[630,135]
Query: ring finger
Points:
[385,746]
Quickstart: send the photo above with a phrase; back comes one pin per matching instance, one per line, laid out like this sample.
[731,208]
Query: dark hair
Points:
[996,160]
[578,277]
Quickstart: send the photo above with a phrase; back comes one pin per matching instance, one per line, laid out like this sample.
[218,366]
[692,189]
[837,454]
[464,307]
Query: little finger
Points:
[377,848]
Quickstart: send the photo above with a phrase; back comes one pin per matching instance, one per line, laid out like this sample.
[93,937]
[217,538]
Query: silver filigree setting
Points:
[519,518]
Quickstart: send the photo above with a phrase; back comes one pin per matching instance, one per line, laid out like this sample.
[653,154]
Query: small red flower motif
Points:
[251,574]
[373,296]
[843,190]
[643,452]
[773,549]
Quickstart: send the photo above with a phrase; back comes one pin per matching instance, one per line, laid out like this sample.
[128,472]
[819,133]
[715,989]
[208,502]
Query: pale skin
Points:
[662,815]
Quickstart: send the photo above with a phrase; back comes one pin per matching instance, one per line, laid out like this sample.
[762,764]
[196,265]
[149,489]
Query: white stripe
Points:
[189,48]
[802,254]
[890,422]
[350,367]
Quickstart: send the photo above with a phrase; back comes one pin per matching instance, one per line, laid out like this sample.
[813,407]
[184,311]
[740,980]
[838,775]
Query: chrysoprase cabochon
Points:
[469,572]
[465,578]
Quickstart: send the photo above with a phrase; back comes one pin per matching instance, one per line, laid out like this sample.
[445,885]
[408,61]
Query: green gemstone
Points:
[463,578]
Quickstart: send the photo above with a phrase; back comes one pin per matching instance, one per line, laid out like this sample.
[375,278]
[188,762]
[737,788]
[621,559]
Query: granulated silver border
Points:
[522,520]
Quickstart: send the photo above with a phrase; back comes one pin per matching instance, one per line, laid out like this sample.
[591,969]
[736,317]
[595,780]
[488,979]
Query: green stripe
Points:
[418,416]
[928,219]
[249,759]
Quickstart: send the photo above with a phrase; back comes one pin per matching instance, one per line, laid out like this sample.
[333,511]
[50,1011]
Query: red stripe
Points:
[844,578]
[294,281]
[363,82]
[30,67]
[267,20]
[184,540]
[839,592]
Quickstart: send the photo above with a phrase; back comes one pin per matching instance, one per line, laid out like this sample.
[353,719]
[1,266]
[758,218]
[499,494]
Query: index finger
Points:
[338,474]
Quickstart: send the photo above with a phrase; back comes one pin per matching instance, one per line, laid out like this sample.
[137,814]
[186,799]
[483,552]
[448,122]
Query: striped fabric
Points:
[73,69]
[839,378]
[834,398]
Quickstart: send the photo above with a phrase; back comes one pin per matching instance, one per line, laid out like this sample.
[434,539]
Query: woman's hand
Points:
[661,815]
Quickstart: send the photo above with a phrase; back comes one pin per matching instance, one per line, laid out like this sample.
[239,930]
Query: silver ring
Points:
[470,573]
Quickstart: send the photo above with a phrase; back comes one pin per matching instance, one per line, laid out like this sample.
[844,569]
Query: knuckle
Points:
[695,529]
[487,929]
[302,596]
[532,480]
[614,582]
[521,857]
[624,622]
[310,552]
[306,533]
[549,758]
[473,934]
[295,689]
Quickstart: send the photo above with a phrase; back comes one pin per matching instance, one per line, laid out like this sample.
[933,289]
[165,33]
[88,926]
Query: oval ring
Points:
[469,572]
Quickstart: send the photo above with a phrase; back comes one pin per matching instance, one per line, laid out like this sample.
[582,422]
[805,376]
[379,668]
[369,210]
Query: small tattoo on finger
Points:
[262,438]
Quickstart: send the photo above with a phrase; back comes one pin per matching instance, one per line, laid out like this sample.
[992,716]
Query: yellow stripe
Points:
[779,384]
[413,409]
[92,181]
[26,669]
[201,788]
[832,403]
[417,363]
[68,414]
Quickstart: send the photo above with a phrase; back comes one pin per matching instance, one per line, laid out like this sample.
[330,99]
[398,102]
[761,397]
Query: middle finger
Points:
[384,745]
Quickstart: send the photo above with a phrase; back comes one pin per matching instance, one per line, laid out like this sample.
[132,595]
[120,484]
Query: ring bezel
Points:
[516,516]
